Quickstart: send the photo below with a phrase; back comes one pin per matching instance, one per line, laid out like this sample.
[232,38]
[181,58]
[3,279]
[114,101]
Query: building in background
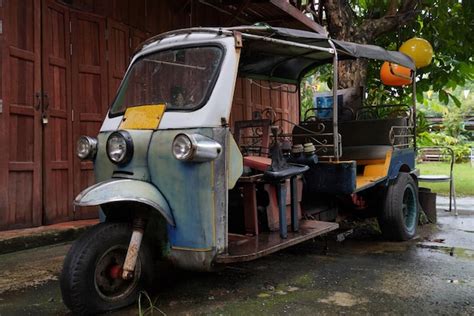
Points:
[61,63]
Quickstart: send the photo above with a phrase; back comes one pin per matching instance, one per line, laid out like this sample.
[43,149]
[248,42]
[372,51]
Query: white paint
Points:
[111,124]
[219,103]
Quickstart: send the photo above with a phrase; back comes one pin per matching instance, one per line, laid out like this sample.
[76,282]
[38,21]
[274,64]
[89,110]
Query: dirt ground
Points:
[433,274]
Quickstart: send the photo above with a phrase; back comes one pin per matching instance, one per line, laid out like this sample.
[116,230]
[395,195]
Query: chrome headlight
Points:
[86,147]
[182,147]
[120,147]
[195,147]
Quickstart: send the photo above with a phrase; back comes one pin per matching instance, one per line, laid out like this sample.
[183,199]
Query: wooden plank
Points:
[22,54]
[119,10]
[58,143]
[21,166]
[250,208]
[138,14]
[154,16]
[22,109]
[89,90]
[4,122]
[91,117]
[21,192]
[136,38]
[118,50]
[245,248]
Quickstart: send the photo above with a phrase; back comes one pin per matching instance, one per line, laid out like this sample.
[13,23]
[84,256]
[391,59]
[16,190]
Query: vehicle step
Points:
[245,248]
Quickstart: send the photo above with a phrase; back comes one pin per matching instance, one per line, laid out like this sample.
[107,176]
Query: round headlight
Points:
[182,147]
[86,147]
[120,147]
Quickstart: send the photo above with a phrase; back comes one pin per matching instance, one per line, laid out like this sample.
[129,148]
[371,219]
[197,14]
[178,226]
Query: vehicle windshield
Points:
[180,78]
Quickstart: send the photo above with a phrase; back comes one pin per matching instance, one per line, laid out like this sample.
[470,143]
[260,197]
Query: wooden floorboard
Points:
[245,248]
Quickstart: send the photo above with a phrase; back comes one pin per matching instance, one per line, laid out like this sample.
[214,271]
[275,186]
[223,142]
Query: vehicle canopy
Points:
[275,54]
[286,55]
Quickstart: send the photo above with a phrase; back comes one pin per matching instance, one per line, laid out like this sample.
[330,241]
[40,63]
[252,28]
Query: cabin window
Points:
[181,78]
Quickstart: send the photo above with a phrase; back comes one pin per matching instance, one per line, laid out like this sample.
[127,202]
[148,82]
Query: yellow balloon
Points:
[419,50]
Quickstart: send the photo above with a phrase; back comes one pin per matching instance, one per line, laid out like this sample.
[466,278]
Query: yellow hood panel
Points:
[143,117]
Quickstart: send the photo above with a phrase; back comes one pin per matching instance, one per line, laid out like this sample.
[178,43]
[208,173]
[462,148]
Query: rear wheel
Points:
[91,279]
[399,217]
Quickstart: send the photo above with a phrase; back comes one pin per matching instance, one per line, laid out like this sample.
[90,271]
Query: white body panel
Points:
[218,105]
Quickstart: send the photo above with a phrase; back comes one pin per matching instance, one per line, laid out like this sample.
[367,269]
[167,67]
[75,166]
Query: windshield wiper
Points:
[175,64]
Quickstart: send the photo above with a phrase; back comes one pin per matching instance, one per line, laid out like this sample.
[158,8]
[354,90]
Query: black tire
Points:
[399,217]
[86,288]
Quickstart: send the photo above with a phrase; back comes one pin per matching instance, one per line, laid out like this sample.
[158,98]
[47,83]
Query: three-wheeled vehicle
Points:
[176,180]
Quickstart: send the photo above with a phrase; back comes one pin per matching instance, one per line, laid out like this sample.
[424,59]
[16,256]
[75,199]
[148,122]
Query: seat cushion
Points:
[367,152]
[258,163]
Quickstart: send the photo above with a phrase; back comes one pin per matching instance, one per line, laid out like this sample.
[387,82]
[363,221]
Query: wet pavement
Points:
[433,274]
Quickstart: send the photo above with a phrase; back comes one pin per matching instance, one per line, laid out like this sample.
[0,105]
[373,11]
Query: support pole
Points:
[335,82]
[414,109]
[280,187]
[294,203]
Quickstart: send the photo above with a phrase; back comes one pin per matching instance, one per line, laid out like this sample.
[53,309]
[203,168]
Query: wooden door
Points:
[21,187]
[89,90]
[136,38]
[4,156]
[118,54]
[58,145]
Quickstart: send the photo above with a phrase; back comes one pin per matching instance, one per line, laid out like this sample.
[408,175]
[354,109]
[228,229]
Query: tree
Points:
[447,24]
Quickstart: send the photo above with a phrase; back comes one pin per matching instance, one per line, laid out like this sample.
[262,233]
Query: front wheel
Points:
[399,217]
[91,278]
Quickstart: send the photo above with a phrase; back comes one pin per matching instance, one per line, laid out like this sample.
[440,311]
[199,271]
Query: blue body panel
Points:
[401,157]
[189,190]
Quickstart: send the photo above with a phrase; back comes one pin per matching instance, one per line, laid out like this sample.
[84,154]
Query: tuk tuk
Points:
[176,181]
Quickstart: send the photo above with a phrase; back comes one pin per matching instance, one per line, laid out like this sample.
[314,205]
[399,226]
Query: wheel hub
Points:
[115,271]
[108,275]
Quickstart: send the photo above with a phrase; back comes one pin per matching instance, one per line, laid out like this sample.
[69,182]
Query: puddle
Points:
[456,252]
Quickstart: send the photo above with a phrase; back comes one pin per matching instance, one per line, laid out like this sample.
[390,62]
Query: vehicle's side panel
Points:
[401,158]
[195,191]
[103,167]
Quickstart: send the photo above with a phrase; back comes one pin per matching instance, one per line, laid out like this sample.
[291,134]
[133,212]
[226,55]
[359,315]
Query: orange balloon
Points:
[395,75]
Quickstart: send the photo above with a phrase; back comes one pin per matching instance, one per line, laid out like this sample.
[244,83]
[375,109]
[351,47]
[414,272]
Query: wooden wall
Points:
[60,65]
[256,95]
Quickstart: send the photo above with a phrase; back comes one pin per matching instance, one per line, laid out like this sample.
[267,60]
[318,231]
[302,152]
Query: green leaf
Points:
[443,96]
[456,100]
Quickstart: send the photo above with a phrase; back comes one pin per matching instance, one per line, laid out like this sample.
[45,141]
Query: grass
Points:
[463,177]
[150,309]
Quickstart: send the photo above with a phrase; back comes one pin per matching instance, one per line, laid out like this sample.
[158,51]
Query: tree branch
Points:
[341,18]
[392,8]
[373,28]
